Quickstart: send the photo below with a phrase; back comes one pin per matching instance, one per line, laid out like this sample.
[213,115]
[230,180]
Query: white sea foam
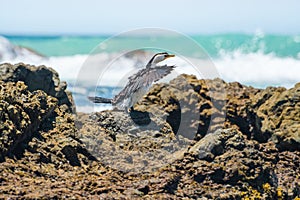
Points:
[93,108]
[247,68]
[254,68]
[259,69]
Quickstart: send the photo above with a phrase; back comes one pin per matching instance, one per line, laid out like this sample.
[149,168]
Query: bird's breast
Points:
[137,95]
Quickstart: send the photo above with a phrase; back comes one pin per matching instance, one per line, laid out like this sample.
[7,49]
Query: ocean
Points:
[258,59]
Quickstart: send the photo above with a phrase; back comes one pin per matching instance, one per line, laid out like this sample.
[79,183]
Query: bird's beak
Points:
[169,56]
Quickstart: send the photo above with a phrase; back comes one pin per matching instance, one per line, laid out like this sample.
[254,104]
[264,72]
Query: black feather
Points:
[100,100]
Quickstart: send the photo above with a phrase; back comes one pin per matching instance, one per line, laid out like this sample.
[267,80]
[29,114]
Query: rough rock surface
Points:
[188,139]
[38,78]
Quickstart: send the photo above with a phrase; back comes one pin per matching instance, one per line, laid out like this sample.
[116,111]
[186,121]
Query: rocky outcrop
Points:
[22,113]
[38,78]
[207,105]
[279,116]
[190,139]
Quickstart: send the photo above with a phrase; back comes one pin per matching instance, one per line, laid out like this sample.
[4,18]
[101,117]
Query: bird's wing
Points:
[143,78]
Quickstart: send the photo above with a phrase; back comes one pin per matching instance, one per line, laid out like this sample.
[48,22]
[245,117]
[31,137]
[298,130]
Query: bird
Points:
[139,83]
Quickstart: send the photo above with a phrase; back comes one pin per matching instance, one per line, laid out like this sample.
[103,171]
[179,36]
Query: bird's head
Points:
[158,58]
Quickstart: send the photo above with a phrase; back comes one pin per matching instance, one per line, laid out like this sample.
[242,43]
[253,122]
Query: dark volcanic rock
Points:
[203,106]
[212,144]
[279,117]
[38,78]
[188,139]
[22,113]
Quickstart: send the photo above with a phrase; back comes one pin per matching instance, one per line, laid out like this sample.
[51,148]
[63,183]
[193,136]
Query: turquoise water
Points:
[57,45]
[215,45]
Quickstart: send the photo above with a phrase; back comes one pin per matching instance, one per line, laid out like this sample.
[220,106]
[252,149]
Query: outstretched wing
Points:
[143,78]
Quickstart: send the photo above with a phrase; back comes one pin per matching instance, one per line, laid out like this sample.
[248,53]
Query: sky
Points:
[91,17]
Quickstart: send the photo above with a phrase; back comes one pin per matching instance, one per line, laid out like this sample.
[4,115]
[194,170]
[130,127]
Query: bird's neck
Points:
[150,63]
[154,60]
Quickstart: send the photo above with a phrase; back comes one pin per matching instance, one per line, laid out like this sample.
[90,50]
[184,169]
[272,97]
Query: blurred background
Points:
[254,42]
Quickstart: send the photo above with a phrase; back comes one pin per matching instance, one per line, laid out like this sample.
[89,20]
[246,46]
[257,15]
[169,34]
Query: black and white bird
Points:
[139,83]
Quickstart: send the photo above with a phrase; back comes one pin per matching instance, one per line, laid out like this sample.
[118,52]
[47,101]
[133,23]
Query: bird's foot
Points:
[131,109]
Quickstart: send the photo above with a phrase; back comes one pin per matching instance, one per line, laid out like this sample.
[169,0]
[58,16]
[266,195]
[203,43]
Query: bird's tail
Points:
[100,100]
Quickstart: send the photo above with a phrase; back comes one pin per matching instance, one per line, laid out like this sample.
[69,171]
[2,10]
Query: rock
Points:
[22,112]
[197,107]
[280,117]
[117,140]
[232,163]
[37,137]
[188,139]
[38,78]
[211,144]
[190,111]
